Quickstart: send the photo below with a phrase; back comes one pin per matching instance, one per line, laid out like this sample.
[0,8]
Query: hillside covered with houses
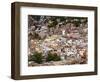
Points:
[57,40]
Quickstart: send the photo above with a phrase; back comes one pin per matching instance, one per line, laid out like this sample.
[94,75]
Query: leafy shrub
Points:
[53,57]
[52,24]
[37,57]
